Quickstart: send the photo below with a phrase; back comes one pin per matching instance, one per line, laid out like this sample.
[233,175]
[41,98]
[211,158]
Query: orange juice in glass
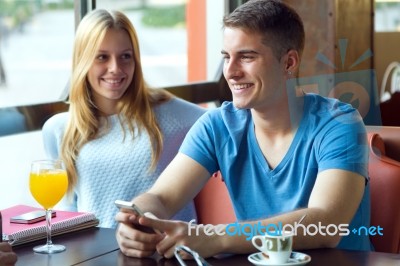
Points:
[48,183]
[48,186]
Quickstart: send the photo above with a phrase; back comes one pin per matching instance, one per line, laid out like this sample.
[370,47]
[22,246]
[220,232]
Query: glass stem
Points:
[48,227]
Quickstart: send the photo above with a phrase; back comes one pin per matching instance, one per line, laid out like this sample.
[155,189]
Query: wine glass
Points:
[48,183]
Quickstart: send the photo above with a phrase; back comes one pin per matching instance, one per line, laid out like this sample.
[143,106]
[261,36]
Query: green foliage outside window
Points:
[168,16]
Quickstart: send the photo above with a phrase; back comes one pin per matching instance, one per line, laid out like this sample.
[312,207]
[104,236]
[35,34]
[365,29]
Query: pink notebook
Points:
[64,222]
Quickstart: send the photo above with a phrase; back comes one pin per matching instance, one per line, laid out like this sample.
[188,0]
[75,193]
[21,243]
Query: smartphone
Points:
[131,206]
[31,217]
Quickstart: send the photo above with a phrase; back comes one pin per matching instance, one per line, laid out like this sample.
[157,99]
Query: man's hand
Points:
[132,239]
[7,256]
[177,233]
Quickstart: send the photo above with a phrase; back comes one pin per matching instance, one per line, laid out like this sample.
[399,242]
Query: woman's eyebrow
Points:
[122,51]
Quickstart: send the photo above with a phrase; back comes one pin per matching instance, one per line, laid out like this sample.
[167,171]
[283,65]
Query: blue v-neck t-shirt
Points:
[331,135]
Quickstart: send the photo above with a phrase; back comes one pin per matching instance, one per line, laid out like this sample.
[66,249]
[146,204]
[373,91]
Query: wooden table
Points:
[322,257]
[98,247]
[81,246]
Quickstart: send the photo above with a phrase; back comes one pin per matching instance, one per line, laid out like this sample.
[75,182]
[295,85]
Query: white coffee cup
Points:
[278,246]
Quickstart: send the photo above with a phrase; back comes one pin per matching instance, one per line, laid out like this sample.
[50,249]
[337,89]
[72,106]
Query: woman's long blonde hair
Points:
[135,106]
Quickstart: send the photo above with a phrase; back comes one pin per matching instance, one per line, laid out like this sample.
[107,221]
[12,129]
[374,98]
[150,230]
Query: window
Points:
[180,43]
[35,50]
[180,40]
[387,15]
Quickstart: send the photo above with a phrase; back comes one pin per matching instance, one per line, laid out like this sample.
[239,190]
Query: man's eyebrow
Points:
[242,52]
[248,52]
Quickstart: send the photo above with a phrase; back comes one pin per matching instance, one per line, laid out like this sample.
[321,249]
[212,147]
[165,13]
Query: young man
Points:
[282,154]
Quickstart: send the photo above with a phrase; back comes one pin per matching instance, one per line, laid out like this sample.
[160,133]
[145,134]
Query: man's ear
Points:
[292,61]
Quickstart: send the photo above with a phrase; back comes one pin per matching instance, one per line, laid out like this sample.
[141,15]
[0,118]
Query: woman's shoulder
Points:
[56,121]
[179,106]
[178,113]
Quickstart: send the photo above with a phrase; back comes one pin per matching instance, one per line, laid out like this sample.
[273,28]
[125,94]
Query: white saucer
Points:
[296,258]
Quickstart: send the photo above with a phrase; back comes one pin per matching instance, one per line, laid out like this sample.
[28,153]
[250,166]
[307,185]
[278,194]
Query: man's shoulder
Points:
[331,109]
[326,114]
[228,106]
[227,118]
[328,103]
[229,111]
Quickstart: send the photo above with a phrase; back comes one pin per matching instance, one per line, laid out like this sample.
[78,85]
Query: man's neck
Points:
[275,122]
[274,132]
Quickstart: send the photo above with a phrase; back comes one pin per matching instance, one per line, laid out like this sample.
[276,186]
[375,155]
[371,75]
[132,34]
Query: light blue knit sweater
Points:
[111,167]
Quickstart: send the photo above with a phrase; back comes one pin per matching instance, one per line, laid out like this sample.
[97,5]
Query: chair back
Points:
[384,175]
[213,203]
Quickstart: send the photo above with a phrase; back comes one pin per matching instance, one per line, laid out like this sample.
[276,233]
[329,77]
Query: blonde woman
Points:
[119,134]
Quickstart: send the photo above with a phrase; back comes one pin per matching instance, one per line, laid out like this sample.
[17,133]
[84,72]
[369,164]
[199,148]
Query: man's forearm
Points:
[148,202]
